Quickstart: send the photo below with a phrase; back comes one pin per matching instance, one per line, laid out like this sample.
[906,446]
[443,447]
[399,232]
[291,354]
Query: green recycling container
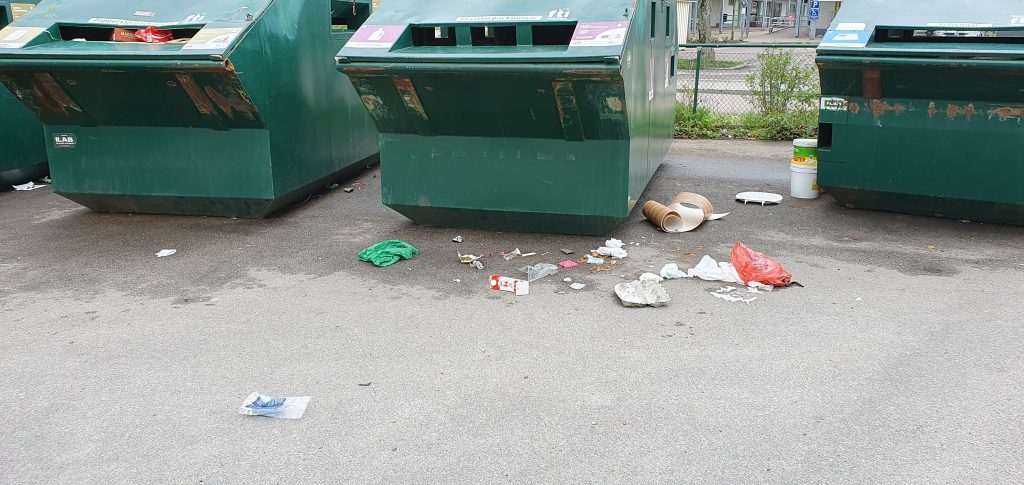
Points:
[237,112]
[22,153]
[922,108]
[518,115]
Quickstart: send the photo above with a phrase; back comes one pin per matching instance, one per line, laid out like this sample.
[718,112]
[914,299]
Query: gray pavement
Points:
[900,362]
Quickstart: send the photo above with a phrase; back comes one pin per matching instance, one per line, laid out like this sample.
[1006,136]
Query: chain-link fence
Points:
[738,79]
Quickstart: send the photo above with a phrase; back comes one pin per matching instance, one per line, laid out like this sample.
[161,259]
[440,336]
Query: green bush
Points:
[781,84]
[755,126]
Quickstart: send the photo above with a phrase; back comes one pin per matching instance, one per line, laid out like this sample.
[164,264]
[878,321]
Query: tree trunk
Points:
[704,28]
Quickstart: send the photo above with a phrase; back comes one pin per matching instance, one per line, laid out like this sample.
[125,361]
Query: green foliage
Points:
[755,126]
[781,84]
[691,64]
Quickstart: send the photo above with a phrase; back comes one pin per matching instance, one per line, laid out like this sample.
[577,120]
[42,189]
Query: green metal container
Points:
[22,153]
[922,108]
[242,114]
[518,115]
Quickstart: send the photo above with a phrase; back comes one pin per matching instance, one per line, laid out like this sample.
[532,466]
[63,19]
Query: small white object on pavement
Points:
[274,407]
[166,252]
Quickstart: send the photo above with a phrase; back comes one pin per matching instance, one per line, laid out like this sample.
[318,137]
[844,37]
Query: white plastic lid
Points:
[806,142]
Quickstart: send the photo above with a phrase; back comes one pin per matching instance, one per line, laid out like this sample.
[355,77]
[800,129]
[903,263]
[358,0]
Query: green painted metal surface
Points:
[518,115]
[242,115]
[22,153]
[922,110]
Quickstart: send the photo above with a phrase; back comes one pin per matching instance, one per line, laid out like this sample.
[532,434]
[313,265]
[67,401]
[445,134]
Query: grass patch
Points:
[704,124]
[691,64]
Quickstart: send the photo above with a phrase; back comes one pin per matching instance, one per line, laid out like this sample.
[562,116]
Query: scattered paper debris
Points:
[613,243]
[274,407]
[568,251]
[642,293]
[568,280]
[671,271]
[513,255]
[477,265]
[726,294]
[577,286]
[526,255]
[710,270]
[28,186]
[348,190]
[538,271]
[568,264]
[166,252]
[458,239]
[468,258]
[651,277]
[594,260]
[512,285]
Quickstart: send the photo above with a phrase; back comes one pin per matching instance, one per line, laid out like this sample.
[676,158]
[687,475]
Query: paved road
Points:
[900,362]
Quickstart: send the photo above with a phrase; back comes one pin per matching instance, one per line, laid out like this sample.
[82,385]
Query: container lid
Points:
[806,142]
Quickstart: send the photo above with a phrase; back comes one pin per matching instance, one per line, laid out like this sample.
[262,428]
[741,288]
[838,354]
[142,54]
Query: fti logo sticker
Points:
[65,140]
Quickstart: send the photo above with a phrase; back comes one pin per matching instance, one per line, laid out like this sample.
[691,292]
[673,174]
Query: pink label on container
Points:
[376,36]
[600,34]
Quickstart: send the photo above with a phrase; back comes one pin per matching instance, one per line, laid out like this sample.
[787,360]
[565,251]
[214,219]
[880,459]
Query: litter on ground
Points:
[274,407]
[387,253]
[512,285]
[538,271]
[28,186]
[642,293]
[166,252]
[577,286]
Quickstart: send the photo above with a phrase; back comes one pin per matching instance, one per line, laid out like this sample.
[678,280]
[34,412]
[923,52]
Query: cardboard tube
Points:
[667,220]
[696,200]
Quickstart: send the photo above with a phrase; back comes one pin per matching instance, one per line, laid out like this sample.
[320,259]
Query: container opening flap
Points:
[79,33]
[949,33]
[547,34]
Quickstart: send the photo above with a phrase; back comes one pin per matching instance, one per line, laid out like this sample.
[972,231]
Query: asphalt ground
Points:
[900,361]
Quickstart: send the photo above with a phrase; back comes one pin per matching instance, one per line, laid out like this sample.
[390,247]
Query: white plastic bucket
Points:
[804,182]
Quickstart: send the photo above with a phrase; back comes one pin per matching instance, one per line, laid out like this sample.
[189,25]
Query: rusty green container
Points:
[518,115]
[22,153]
[922,108]
[243,113]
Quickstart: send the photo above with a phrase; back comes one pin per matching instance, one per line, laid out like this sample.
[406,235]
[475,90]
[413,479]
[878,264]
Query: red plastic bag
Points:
[753,266]
[153,35]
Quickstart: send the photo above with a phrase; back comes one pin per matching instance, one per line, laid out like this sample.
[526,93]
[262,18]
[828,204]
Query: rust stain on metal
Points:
[410,97]
[373,103]
[970,111]
[56,98]
[931,109]
[879,108]
[195,93]
[1007,113]
[872,81]
[588,72]
[615,104]
[854,108]
[560,87]
[231,102]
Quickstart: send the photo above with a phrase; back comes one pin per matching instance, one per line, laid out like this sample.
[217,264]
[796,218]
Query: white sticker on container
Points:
[17,37]
[212,39]
[599,34]
[956,24]
[835,104]
[18,10]
[500,18]
[376,36]
[852,26]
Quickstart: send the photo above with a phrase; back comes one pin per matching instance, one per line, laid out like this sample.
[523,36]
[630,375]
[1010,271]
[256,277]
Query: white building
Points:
[760,12]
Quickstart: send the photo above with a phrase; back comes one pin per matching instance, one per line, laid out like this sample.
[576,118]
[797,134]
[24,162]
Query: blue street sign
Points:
[815,9]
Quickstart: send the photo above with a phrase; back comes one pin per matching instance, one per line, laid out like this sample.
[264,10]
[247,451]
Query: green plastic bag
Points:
[388,252]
